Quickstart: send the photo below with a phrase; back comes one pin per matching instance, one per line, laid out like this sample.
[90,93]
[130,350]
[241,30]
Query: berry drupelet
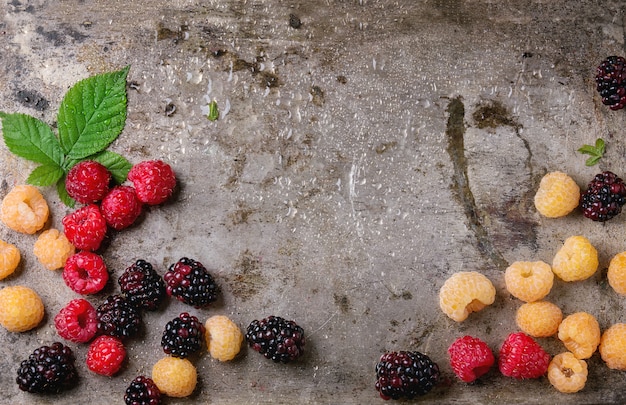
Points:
[183,336]
[405,375]
[276,338]
[611,82]
[49,369]
[142,391]
[604,198]
[142,286]
[118,318]
[189,281]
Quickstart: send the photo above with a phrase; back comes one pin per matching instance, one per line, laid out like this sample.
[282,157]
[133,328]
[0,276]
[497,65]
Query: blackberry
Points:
[49,369]
[183,336]
[118,318]
[276,338]
[611,82]
[604,198]
[142,286]
[189,281]
[405,374]
[142,391]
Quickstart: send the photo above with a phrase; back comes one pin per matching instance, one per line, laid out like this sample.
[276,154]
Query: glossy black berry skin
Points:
[142,391]
[118,318]
[190,282]
[48,370]
[142,286]
[611,82]
[405,375]
[604,197]
[183,336]
[276,338]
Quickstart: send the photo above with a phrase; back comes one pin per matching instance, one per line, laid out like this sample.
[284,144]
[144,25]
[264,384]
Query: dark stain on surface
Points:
[385,146]
[455,132]
[240,215]
[248,279]
[493,114]
[266,79]
[342,302]
[58,38]
[294,21]
[318,96]
[32,99]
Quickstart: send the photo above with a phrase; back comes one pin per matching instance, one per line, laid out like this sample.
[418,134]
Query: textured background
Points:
[359,161]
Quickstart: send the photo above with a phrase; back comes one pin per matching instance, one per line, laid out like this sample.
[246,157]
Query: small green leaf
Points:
[592,161]
[588,150]
[63,195]
[92,114]
[214,112]
[31,139]
[595,151]
[600,146]
[45,175]
[118,165]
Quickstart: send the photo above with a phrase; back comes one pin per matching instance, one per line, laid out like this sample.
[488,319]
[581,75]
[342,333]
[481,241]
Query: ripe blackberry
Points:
[405,375]
[142,391]
[183,336]
[49,369]
[118,318]
[604,198]
[189,281]
[611,82]
[276,338]
[142,286]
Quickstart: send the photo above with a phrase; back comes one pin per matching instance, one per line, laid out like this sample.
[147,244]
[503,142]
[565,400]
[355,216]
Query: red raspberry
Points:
[154,181]
[77,321]
[85,273]
[106,355]
[522,357]
[121,207]
[470,358]
[88,182]
[85,228]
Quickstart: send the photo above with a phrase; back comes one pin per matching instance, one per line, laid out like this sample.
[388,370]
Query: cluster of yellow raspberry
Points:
[177,377]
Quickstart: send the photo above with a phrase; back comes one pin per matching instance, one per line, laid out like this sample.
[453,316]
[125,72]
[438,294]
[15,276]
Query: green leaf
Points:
[595,151]
[600,146]
[92,114]
[31,139]
[118,165]
[214,112]
[45,175]
[588,150]
[592,160]
[63,195]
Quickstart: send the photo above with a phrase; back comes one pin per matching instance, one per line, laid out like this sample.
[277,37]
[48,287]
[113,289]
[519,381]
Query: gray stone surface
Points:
[359,160]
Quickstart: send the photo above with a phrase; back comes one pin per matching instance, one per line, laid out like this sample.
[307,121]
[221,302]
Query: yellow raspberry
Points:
[557,196]
[465,292]
[21,309]
[613,346]
[529,281]
[24,209]
[175,377]
[539,318]
[617,273]
[9,259]
[580,333]
[52,249]
[223,337]
[576,260]
[567,373]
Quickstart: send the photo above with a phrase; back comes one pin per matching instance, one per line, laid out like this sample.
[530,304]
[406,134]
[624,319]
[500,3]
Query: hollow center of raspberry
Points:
[475,306]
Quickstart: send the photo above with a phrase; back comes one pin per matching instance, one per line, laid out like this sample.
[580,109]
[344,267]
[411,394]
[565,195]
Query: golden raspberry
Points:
[567,373]
[613,346]
[557,196]
[223,337]
[617,273]
[580,333]
[539,318]
[9,259]
[174,376]
[21,309]
[529,281]
[576,260]
[24,209]
[52,249]
[465,292]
